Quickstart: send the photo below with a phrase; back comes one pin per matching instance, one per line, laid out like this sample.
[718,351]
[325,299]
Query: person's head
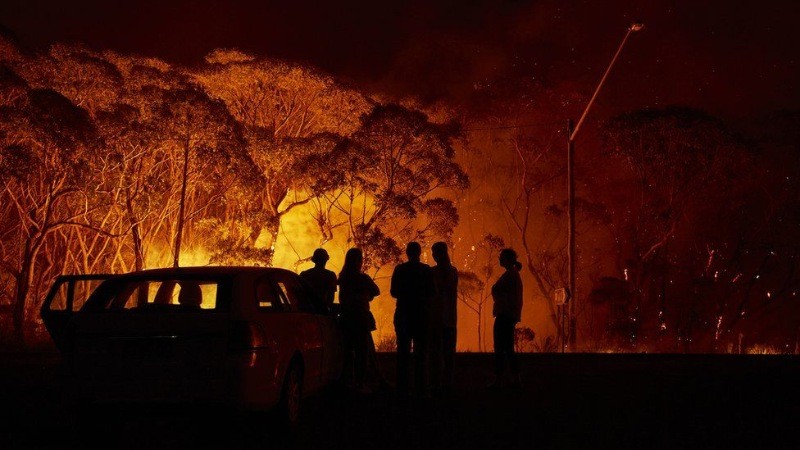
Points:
[508,259]
[320,257]
[439,252]
[413,251]
[353,260]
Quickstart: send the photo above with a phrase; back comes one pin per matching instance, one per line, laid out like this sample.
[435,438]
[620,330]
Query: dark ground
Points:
[569,401]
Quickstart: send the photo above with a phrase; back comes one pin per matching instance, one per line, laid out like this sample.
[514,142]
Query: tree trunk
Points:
[182,208]
[138,252]
[273,227]
[24,281]
[481,333]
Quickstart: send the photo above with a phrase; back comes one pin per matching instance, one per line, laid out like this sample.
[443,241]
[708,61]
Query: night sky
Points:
[733,59]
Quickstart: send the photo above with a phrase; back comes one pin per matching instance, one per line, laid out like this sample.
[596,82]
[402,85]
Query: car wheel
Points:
[291,395]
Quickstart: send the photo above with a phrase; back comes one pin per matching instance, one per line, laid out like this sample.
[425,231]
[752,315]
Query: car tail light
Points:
[245,335]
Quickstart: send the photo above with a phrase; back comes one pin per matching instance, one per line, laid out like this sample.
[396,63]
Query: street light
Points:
[571,132]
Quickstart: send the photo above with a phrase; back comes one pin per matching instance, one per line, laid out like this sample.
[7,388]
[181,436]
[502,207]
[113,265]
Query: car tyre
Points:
[291,396]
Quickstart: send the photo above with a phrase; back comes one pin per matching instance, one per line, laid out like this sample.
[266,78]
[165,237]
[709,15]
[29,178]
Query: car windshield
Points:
[178,294]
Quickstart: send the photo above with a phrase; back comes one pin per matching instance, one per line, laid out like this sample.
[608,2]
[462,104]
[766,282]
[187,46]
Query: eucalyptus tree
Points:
[682,162]
[395,172]
[290,115]
[44,138]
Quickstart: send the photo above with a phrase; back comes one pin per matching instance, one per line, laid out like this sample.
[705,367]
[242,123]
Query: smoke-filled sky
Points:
[731,58]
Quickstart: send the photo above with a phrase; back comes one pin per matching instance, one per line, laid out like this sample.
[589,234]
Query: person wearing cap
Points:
[321,280]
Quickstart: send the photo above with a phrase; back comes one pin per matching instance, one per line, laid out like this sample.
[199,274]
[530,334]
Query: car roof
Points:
[202,271]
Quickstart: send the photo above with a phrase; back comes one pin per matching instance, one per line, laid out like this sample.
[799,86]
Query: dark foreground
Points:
[569,401]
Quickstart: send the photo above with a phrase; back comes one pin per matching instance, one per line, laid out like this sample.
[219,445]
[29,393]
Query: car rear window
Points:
[183,294]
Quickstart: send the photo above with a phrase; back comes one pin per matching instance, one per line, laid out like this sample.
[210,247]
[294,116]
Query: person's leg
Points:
[512,351]
[509,326]
[361,341]
[499,356]
[420,358]
[374,374]
[348,371]
[507,337]
[403,357]
[449,336]
[435,356]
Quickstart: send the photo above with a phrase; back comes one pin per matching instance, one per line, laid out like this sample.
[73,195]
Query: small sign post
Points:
[562,297]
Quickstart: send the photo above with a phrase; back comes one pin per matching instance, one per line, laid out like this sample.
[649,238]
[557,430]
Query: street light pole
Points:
[637,26]
[571,133]
[570,306]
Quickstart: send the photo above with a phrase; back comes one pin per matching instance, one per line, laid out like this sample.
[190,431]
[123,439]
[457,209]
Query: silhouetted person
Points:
[443,318]
[507,310]
[190,295]
[412,286]
[356,290]
[321,280]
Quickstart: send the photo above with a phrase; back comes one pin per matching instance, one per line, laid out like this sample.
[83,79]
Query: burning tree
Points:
[43,182]
[680,159]
[292,118]
[391,171]
[473,284]
[527,190]
[212,151]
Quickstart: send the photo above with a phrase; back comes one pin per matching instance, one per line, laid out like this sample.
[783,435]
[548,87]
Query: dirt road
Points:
[569,401]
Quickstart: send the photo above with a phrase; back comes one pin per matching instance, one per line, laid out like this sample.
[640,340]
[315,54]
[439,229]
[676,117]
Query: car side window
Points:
[291,290]
[183,294]
[266,297]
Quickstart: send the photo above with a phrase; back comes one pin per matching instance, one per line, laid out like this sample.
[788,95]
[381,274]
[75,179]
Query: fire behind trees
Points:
[113,163]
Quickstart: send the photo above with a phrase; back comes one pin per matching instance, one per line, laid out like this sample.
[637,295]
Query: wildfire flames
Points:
[114,163]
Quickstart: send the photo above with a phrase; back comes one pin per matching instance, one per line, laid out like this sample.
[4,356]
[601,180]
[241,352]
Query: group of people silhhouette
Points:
[425,317]
[356,291]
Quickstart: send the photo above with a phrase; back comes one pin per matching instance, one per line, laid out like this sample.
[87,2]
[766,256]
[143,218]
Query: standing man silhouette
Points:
[412,286]
[321,280]
[443,319]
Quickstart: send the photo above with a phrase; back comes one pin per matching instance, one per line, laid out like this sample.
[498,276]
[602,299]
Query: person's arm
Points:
[342,291]
[330,296]
[394,289]
[372,288]
[332,288]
